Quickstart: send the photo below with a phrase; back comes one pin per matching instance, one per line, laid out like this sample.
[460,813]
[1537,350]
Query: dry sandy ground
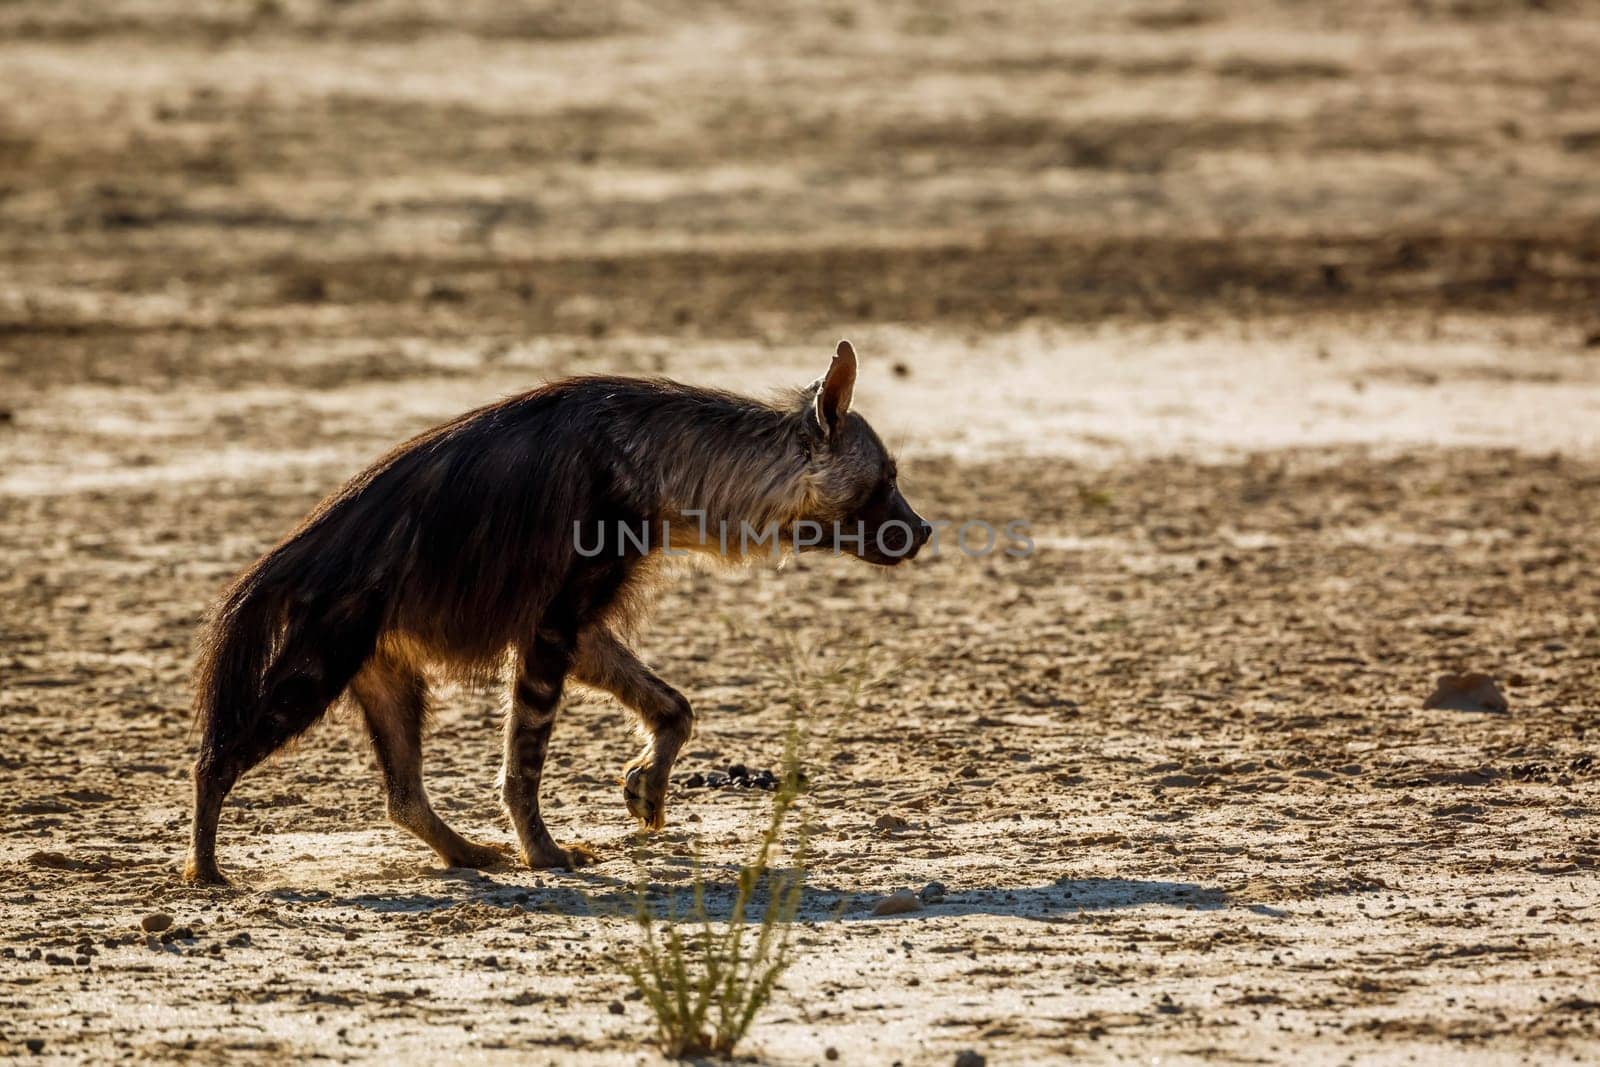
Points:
[1277,326]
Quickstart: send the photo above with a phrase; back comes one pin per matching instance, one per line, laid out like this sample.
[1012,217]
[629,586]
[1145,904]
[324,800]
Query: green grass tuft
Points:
[706,981]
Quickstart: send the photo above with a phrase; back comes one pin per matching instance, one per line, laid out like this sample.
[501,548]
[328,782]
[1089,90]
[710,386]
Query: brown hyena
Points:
[524,526]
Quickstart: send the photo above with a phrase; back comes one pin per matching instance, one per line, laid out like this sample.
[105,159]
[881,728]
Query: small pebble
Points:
[968,1058]
[898,903]
[932,893]
[615,1007]
[1467,692]
[155,922]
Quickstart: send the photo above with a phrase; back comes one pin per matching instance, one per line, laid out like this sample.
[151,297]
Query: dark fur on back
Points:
[460,537]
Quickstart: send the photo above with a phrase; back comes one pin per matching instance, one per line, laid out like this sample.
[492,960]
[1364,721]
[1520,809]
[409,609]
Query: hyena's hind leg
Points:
[665,716]
[393,695]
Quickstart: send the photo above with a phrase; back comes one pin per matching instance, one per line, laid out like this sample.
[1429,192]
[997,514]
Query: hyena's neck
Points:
[720,463]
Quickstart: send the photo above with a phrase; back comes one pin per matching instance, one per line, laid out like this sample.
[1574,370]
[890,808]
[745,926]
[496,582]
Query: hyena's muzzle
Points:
[891,530]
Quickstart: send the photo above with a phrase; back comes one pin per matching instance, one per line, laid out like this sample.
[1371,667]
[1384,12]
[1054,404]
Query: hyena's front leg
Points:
[535,695]
[664,714]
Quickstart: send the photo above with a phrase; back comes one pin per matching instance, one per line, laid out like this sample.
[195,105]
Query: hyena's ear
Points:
[836,389]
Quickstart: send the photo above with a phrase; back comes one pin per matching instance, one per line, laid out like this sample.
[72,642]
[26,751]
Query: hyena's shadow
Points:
[590,893]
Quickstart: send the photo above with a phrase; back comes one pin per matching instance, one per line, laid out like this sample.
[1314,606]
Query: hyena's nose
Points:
[923,532]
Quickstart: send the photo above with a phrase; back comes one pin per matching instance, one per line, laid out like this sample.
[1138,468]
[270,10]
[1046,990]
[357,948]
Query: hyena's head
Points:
[852,476]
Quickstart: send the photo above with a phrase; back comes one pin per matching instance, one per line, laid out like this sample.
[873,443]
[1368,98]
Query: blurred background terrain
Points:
[190,174]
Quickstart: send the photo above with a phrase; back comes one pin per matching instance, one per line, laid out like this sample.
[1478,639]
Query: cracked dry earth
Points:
[1275,324]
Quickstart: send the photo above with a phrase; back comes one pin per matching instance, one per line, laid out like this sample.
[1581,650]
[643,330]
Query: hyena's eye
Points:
[870,496]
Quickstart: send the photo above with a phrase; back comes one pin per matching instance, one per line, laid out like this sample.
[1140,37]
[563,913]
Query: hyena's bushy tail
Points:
[283,643]
[236,647]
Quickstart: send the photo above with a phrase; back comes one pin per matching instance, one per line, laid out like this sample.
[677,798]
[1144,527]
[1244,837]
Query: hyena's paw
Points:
[479,856]
[196,872]
[644,790]
[558,858]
